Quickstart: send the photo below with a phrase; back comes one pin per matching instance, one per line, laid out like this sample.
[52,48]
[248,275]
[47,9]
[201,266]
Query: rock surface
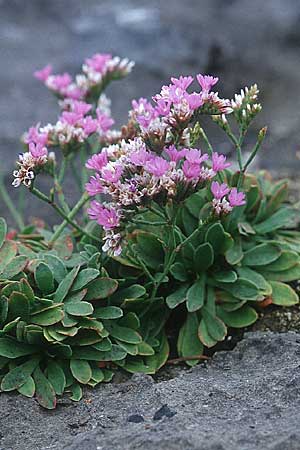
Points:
[246,399]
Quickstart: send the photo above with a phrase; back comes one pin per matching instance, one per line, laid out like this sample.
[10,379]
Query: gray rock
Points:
[246,399]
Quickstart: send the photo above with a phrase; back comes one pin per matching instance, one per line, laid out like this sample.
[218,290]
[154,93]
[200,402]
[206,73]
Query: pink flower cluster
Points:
[76,125]
[174,106]
[95,71]
[225,199]
[131,175]
[31,161]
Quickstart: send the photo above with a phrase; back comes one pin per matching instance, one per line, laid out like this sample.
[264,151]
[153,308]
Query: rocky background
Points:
[240,41]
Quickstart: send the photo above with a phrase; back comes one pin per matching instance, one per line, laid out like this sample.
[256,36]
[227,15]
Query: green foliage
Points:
[69,318]
[61,324]
[222,269]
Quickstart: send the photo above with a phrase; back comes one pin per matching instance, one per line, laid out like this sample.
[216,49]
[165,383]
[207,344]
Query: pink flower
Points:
[33,135]
[163,107]
[37,150]
[73,92]
[59,82]
[219,162]
[174,154]
[193,155]
[157,166]
[219,190]
[194,100]
[94,186]
[98,62]
[190,170]
[79,107]
[139,157]
[106,217]
[89,125]
[97,162]
[71,118]
[206,82]
[111,173]
[236,198]
[44,73]
[182,82]
[104,121]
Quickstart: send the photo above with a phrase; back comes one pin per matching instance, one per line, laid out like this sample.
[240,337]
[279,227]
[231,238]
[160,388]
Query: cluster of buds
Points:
[31,162]
[225,199]
[245,105]
[130,174]
[97,71]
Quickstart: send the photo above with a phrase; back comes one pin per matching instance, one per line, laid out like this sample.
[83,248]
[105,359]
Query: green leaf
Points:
[10,348]
[3,231]
[196,294]
[3,309]
[256,278]
[177,297]
[101,288]
[242,317]
[188,341]
[56,376]
[45,393]
[234,254]
[81,370]
[79,308]
[16,377]
[28,388]
[108,312]
[158,360]
[204,335]
[145,349]
[125,334]
[261,254]
[92,354]
[57,267]
[178,271]
[242,289]
[14,267]
[215,235]
[129,294]
[228,276]
[48,317]
[284,217]
[215,327]
[76,392]
[84,277]
[18,306]
[65,285]
[44,278]
[150,250]
[286,261]
[283,295]
[286,275]
[203,257]
[7,253]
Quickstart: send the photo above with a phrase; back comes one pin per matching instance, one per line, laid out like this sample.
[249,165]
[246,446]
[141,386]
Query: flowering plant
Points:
[172,239]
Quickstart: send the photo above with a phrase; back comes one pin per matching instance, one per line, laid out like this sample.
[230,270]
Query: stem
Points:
[238,144]
[261,136]
[10,205]
[67,217]
[210,151]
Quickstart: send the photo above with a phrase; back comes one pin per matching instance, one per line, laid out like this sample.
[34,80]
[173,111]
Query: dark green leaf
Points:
[56,376]
[84,277]
[16,377]
[48,317]
[10,348]
[101,288]
[188,341]
[203,257]
[108,312]
[283,295]
[65,285]
[261,254]
[81,370]
[79,308]
[196,294]
[242,317]
[3,231]
[177,297]
[45,393]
